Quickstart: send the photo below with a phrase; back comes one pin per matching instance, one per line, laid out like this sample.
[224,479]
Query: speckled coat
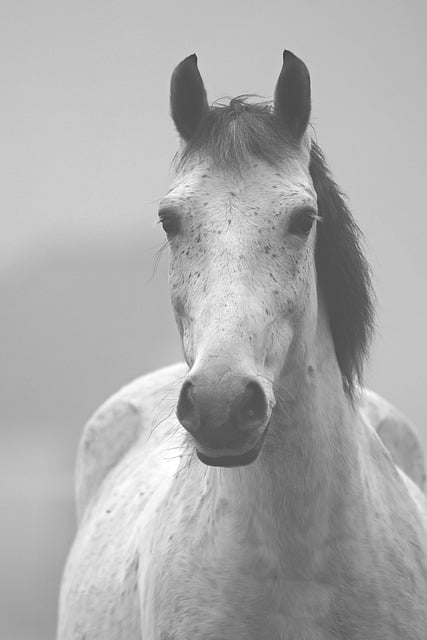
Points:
[167,552]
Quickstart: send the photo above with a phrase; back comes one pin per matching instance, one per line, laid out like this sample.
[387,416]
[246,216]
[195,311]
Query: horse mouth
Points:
[233,460]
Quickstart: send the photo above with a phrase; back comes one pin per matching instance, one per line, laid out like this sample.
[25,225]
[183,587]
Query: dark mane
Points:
[343,274]
[232,134]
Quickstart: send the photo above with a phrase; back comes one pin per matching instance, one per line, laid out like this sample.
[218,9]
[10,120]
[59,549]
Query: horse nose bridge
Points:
[230,318]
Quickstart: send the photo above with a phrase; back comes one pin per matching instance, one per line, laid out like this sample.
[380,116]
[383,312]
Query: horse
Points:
[255,491]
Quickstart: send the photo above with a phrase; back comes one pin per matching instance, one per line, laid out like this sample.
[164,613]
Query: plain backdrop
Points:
[86,146]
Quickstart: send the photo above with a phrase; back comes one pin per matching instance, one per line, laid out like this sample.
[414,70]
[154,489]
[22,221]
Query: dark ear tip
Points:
[290,57]
[189,60]
[187,65]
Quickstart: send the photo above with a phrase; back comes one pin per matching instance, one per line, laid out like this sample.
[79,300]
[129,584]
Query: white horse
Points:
[274,510]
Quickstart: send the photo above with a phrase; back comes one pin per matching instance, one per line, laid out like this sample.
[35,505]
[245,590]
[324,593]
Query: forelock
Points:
[232,135]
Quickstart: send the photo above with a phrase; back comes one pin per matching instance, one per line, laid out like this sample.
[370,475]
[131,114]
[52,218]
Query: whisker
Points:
[157,258]
[158,424]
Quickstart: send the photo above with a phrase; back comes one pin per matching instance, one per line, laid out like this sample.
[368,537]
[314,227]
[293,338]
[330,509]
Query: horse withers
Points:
[246,494]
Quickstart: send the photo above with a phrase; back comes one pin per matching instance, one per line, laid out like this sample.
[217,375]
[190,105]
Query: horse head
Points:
[241,219]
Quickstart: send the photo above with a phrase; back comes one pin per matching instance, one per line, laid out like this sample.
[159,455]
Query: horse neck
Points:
[313,457]
[308,469]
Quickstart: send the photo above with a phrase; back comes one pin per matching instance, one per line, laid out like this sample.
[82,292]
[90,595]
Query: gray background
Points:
[86,144]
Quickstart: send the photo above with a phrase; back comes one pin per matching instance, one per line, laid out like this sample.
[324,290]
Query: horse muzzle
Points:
[229,458]
[227,415]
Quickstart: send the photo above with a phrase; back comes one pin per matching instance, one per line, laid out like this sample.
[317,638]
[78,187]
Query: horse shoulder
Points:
[397,434]
[114,428]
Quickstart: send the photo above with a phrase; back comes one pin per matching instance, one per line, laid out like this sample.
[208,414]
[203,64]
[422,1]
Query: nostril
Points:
[186,409]
[253,407]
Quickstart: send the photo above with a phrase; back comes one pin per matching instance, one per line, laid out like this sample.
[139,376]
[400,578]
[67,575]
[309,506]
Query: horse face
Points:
[243,288]
[241,228]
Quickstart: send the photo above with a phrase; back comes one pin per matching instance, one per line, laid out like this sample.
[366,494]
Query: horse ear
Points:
[292,96]
[188,99]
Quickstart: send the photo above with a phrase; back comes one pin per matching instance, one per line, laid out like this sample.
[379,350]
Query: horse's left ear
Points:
[188,99]
[292,96]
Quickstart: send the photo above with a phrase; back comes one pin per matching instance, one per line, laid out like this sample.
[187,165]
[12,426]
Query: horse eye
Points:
[302,221]
[169,220]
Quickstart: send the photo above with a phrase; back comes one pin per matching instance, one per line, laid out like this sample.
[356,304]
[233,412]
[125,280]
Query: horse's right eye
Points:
[302,221]
[169,220]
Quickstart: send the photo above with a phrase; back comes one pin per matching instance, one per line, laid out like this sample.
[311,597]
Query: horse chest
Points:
[221,579]
[216,604]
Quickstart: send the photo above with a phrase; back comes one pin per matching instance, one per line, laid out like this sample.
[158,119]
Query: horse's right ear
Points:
[188,98]
[292,97]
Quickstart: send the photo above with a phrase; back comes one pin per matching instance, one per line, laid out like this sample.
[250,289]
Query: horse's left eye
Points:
[169,220]
[302,221]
